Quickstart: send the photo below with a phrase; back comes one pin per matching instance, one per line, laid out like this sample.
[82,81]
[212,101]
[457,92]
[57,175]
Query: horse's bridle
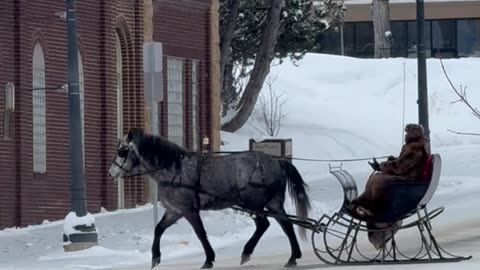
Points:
[123,152]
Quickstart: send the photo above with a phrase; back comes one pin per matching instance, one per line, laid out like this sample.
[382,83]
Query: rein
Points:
[305,159]
[148,171]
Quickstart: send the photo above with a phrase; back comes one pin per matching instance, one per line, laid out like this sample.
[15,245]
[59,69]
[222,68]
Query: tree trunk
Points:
[381,28]
[260,70]
[228,90]
[227,37]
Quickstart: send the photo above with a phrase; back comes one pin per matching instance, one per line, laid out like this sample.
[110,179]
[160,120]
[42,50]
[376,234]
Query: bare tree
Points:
[381,28]
[462,98]
[271,106]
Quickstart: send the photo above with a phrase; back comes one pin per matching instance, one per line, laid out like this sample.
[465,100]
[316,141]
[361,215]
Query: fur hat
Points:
[414,132]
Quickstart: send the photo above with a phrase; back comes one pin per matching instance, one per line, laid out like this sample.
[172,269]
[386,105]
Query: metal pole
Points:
[77,182]
[154,126]
[342,48]
[422,70]
[85,235]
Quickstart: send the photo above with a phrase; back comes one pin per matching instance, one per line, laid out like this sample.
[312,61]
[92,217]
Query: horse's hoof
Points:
[245,258]
[291,263]
[207,266]
[155,262]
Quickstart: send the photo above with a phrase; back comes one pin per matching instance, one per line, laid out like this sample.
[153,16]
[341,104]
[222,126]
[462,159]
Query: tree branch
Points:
[462,94]
[464,133]
[271,109]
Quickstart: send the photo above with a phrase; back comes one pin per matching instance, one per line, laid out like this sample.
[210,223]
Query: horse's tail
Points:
[297,189]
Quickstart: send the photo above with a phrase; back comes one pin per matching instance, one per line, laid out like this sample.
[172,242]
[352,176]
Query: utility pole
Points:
[422,70]
[82,233]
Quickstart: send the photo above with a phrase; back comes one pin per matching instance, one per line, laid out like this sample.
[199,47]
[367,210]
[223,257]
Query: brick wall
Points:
[183,29]
[7,147]
[28,198]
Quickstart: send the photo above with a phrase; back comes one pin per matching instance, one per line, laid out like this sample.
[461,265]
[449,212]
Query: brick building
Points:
[34,158]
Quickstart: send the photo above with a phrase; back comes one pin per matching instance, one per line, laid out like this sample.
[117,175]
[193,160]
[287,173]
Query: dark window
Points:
[330,42]
[349,38]
[444,41]
[364,42]
[358,39]
[468,37]
[412,38]
[399,34]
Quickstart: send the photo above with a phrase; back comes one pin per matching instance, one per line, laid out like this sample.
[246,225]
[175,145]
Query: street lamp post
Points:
[79,226]
[422,70]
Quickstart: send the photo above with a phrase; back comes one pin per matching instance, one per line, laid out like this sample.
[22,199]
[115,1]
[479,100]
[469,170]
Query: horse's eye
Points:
[123,152]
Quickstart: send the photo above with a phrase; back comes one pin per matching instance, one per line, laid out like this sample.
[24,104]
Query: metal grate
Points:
[175,100]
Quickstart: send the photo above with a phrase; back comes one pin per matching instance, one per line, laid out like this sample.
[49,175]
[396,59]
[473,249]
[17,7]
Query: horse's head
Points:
[127,161]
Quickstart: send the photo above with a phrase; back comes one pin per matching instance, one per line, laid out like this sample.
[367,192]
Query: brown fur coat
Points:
[408,166]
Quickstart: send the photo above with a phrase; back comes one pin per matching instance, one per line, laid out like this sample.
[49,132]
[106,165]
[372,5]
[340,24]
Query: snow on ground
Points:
[337,107]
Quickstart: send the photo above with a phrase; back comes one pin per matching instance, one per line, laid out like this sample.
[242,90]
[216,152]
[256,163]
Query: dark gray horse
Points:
[190,182]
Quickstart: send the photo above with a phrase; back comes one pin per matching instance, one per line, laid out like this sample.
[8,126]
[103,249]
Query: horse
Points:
[190,182]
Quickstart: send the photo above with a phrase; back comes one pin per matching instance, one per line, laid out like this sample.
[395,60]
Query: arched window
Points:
[119,90]
[81,88]
[38,94]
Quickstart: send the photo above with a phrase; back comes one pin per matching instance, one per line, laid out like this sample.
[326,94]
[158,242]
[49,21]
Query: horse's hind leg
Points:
[276,207]
[193,217]
[262,225]
[168,219]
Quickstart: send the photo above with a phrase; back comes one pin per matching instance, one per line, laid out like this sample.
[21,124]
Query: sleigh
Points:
[336,237]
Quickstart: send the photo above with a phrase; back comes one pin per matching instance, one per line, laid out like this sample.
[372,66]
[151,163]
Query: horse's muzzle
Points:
[114,171]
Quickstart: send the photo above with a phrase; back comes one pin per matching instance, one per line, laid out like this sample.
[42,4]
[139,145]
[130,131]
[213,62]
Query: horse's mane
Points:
[160,152]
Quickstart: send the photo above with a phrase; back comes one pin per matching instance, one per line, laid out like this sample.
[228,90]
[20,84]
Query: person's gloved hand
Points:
[390,158]
[374,165]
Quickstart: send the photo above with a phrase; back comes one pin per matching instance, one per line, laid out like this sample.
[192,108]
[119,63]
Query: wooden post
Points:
[151,191]
[147,37]
[215,75]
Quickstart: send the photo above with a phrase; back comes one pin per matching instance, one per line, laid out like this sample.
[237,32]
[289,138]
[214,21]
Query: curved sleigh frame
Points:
[335,237]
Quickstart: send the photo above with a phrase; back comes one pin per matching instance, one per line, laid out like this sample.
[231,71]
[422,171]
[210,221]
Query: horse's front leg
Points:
[193,217]
[262,225]
[168,219]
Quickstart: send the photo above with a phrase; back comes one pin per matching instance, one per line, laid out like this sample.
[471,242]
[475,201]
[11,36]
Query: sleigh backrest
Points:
[349,186]
[436,171]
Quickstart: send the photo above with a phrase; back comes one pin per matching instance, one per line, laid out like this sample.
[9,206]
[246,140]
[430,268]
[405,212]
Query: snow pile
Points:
[72,221]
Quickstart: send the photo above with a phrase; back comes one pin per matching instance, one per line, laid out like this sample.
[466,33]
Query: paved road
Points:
[460,239]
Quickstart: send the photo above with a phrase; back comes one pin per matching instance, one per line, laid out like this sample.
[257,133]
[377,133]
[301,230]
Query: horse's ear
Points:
[135,132]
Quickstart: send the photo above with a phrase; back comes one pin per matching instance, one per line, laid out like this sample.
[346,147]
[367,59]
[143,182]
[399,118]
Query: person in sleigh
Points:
[408,166]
